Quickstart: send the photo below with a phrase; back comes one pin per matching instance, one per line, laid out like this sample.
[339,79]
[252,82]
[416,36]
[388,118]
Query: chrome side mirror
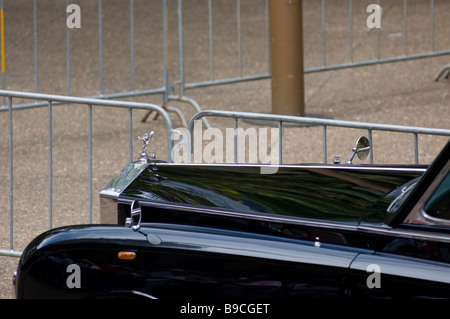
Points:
[134,221]
[362,149]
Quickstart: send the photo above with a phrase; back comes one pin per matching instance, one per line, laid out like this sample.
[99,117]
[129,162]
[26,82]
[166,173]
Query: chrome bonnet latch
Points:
[134,221]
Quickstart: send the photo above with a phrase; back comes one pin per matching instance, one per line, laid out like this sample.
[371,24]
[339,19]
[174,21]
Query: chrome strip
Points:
[108,210]
[303,166]
[414,234]
[123,200]
[250,215]
[143,294]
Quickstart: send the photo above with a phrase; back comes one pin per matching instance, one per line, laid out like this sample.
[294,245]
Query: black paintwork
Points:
[230,232]
[189,262]
[329,193]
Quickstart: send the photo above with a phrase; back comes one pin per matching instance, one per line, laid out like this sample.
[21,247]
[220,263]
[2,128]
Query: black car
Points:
[218,231]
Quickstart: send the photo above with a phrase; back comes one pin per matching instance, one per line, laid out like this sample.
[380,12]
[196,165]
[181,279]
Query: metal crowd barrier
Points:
[53,100]
[280,119]
[236,17]
[50,102]
[406,50]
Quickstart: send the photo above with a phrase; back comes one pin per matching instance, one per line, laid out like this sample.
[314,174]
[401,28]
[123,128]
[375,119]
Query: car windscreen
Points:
[438,205]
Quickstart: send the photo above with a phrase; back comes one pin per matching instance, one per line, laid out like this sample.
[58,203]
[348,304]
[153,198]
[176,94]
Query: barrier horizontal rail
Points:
[318,122]
[376,61]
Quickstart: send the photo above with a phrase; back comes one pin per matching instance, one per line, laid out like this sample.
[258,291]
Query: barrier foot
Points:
[444,72]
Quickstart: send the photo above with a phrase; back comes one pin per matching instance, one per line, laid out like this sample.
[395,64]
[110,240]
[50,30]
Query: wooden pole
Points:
[286,49]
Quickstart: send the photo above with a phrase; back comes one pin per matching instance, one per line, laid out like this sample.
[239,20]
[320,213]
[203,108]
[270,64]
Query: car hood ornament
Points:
[146,140]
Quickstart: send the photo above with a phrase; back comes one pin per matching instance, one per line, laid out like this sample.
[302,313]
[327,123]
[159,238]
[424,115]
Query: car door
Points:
[190,261]
[400,274]
[412,258]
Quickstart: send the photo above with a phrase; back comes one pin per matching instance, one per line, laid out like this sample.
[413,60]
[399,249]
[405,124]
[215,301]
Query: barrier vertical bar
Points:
[130,133]
[280,142]
[11,176]
[378,38]
[90,162]
[2,31]
[350,10]
[324,35]
[100,45]
[2,23]
[36,65]
[405,27]
[369,136]
[211,44]
[432,25]
[165,54]
[181,46]
[324,137]
[239,39]
[416,149]
[269,63]
[235,140]
[50,164]
[133,84]
[68,66]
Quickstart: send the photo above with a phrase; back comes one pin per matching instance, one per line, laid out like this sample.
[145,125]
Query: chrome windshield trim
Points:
[418,211]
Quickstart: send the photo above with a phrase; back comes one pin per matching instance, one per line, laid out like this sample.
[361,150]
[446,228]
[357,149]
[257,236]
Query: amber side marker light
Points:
[126,255]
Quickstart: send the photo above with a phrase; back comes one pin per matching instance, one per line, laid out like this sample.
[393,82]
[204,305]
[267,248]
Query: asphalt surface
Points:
[400,93]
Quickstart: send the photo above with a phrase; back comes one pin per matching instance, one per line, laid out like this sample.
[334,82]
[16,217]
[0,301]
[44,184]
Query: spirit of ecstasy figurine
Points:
[146,140]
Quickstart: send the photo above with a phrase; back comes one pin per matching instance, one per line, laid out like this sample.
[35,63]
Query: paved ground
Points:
[401,93]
